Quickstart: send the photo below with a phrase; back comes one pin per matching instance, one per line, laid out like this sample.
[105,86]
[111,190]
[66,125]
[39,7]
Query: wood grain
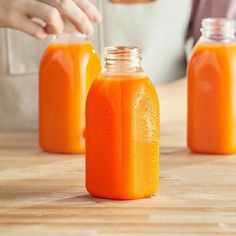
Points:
[44,194]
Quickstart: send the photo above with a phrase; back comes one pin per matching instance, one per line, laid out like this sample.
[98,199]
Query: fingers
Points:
[47,13]
[70,10]
[30,27]
[77,17]
[69,27]
[77,14]
[90,10]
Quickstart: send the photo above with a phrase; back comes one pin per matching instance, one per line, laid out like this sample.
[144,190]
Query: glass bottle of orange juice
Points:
[68,67]
[122,129]
[212,89]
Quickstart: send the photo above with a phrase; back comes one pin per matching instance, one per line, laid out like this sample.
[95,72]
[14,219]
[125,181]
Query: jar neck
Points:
[122,59]
[218,29]
[70,37]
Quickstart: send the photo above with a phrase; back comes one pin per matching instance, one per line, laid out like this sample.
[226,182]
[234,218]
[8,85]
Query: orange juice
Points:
[68,68]
[212,90]
[122,135]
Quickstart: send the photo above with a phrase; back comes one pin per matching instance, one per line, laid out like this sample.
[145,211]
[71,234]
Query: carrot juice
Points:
[212,89]
[122,135]
[68,68]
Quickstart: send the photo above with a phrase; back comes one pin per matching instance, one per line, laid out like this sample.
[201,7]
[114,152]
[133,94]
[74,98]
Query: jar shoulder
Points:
[106,85]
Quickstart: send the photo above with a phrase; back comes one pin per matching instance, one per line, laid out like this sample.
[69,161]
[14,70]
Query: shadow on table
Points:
[177,158]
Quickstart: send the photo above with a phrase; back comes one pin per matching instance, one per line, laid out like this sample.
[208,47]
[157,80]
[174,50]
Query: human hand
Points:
[21,14]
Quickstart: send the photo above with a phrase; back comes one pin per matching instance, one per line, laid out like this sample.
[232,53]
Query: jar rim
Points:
[122,52]
[69,35]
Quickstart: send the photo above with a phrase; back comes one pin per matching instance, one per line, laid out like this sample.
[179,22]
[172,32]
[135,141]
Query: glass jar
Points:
[122,135]
[212,89]
[67,70]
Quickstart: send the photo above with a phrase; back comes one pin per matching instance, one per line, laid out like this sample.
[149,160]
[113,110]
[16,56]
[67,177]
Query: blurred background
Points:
[165,30]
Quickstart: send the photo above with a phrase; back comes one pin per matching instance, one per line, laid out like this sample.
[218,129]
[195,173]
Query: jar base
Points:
[61,151]
[120,197]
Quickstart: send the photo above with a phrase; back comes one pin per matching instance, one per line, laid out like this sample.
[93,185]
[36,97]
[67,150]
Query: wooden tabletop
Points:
[43,194]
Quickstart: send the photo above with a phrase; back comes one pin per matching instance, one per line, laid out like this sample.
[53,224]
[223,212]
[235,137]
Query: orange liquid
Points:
[212,99]
[122,138]
[66,74]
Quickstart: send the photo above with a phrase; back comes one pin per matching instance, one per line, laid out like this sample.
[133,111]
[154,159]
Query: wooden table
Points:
[43,194]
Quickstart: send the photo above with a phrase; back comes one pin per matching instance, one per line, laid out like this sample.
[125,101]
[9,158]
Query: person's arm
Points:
[173,105]
[20,15]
